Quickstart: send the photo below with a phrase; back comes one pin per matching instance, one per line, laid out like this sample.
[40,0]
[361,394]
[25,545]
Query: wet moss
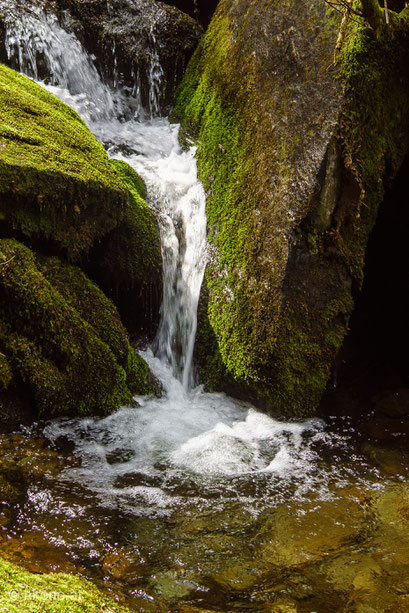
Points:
[289,208]
[132,180]
[21,590]
[96,309]
[72,360]
[127,263]
[56,181]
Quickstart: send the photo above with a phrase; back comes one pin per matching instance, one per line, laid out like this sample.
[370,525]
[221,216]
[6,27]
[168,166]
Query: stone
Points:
[294,157]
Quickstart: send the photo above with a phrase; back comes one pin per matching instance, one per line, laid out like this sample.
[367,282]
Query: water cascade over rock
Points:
[140,46]
[191,501]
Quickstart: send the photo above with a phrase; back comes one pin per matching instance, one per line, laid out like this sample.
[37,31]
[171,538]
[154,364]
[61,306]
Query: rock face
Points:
[61,338]
[138,42]
[294,151]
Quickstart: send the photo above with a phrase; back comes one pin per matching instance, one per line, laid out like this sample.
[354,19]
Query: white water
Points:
[188,435]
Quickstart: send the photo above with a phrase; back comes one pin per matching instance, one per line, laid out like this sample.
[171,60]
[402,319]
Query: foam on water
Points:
[187,443]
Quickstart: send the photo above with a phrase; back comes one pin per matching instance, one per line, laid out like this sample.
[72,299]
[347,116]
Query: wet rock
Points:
[126,564]
[198,9]
[30,457]
[237,577]
[136,42]
[384,429]
[35,555]
[392,461]
[289,207]
[393,404]
[172,584]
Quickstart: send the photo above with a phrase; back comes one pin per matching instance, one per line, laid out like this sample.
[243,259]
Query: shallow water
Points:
[195,501]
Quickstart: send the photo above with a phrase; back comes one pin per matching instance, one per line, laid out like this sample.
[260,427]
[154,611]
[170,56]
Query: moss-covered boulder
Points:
[60,192]
[56,181]
[21,590]
[296,143]
[63,338]
[127,263]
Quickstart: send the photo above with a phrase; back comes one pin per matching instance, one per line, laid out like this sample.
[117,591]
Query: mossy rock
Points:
[63,338]
[127,263]
[6,374]
[294,151]
[22,591]
[56,181]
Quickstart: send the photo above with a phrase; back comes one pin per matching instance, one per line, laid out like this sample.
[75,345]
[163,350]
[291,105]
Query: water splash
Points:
[38,46]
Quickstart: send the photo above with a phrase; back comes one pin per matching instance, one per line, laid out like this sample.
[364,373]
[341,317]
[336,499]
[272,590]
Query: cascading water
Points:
[39,47]
[193,495]
[209,433]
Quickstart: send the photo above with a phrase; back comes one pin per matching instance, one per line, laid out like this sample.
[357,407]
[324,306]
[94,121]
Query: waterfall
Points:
[187,436]
[38,46]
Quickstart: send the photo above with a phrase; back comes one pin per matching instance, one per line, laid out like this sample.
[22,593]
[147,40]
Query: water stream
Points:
[193,496]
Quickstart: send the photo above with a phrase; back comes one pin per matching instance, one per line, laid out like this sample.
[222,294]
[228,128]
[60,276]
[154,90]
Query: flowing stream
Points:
[180,498]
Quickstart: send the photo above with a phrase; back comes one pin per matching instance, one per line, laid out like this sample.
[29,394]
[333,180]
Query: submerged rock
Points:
[294,152]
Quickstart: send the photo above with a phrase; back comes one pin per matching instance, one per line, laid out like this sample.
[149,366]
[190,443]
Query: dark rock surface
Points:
[135,40]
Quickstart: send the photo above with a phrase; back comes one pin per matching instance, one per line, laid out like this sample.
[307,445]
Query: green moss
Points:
[21,590]
[96,309]
[373,127]
[247,152]
[132,180]
[56,180]
[63,354]
[284,259]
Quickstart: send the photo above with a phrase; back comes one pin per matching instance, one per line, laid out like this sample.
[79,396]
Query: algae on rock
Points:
[294,152]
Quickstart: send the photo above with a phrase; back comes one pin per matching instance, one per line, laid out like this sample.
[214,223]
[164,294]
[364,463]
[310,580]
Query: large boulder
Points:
[296,143]
[63,338]
[56,181]
[61,193]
